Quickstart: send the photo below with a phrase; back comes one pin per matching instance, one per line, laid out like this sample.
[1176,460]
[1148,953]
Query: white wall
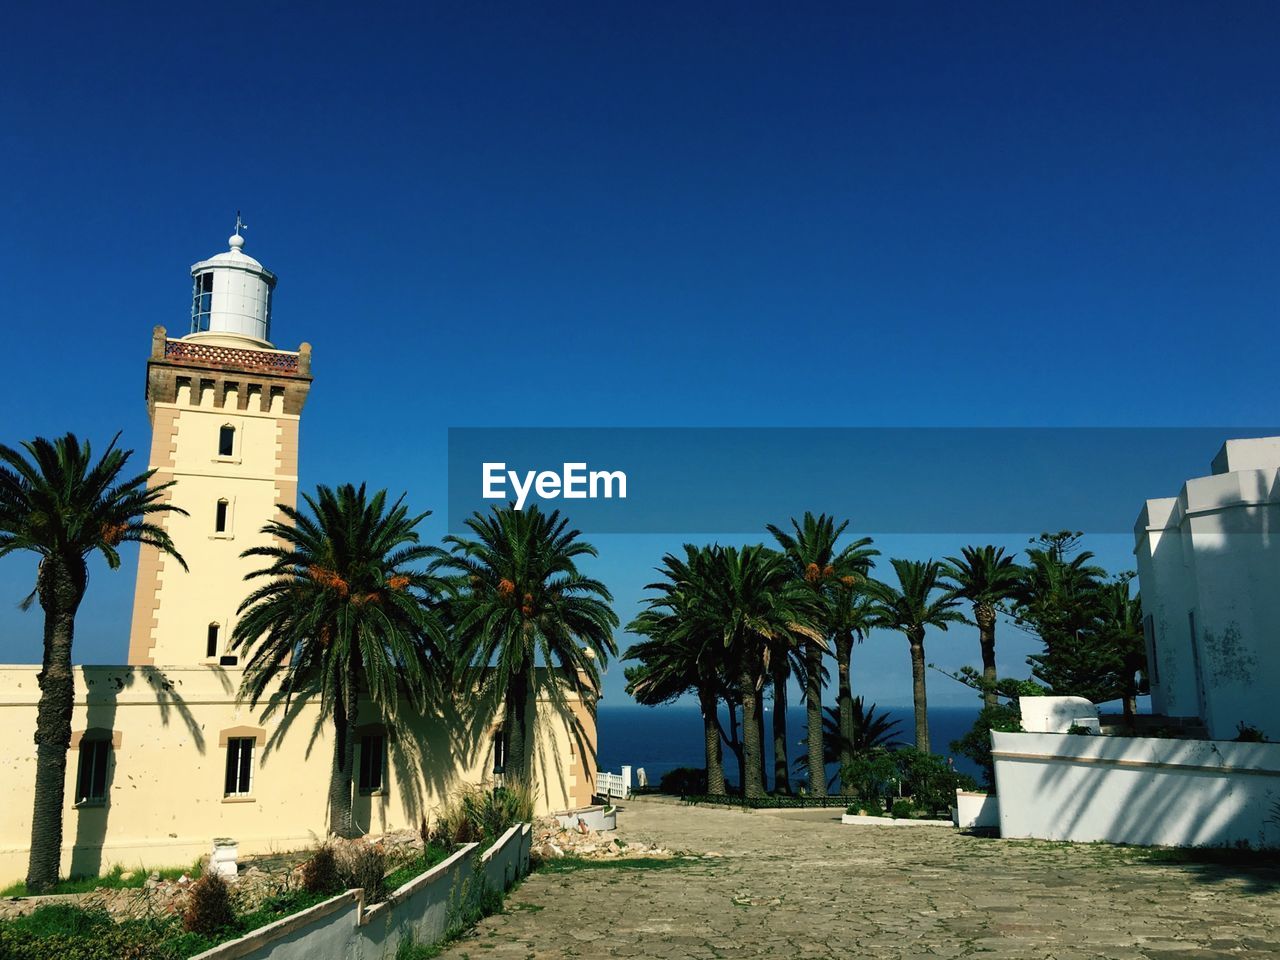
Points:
[1209,569]
[1137,790]
[424,908]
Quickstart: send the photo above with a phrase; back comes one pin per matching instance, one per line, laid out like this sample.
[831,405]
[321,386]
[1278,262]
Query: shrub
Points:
[928,780]
[684,780]
[208,906]
[902,809]
[871,775]
[1076,730]
[320,873]
[976,744]
[476,814]
[1247,733]
[363,865]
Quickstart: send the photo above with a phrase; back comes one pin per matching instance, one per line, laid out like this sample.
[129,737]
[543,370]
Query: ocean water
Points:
[662,738]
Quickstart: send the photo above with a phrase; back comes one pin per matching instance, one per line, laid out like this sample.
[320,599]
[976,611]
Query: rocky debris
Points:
[552,841]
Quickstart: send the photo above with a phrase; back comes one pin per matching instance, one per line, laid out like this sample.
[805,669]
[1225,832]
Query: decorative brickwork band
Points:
[205,354]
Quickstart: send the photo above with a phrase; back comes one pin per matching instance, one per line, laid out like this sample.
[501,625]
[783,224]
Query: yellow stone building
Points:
[163,757]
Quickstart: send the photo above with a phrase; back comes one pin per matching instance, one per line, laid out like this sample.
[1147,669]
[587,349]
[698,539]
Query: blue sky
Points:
[584,215]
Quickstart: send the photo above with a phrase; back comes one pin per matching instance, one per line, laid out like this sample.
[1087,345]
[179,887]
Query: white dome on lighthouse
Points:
[231,296]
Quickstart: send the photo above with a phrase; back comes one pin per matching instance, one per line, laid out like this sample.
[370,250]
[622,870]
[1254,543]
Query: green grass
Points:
[113,879]
[71,932]
[434,853]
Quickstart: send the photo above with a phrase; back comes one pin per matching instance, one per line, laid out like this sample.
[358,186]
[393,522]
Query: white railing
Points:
[610,785]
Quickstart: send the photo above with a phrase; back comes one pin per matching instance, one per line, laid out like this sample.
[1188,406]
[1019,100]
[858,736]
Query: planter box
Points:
[596,818]
[976,810]
[864,821]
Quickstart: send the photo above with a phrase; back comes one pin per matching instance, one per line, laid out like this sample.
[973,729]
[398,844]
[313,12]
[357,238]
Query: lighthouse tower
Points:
[225,406]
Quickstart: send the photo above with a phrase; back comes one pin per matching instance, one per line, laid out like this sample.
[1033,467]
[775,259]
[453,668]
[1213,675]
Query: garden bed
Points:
[116,918]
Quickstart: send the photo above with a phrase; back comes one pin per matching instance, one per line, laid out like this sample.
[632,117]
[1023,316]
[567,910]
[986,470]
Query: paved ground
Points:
[801,885]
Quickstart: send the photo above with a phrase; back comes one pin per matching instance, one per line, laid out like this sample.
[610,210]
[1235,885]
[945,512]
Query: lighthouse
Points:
[225,408]
[231,297]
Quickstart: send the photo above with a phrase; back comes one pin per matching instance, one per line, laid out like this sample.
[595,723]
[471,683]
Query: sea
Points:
[665,737]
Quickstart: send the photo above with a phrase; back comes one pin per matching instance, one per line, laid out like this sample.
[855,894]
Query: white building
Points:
[1209,572]
[1209,569]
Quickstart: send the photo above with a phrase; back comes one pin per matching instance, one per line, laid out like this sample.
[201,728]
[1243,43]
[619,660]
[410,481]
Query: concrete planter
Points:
[864,821]
[425,908]
[223,859]
[596,818]
[976,811]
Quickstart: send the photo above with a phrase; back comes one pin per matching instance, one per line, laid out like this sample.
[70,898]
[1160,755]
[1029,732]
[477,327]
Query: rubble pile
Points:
[552,841]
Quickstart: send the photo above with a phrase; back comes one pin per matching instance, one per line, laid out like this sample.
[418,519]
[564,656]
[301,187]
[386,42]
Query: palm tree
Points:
[342,613]
[756,604]
[811,551]
[909,608]
[986,577]
[682,652]
[516,597]
[1120,628]
[783,650]
[872,730]
[852,617]
[62,506]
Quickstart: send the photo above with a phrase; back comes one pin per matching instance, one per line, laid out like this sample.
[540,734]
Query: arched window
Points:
[211,643]
[226,440]
[220,517]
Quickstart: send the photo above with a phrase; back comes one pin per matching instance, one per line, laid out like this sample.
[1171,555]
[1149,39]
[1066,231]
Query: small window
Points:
[239,767]
[373,762]
[211,642]
[499,753]
[226,440]
[91,782]
[220,517]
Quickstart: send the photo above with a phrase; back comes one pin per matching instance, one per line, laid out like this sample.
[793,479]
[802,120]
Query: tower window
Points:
[226,440]
[220,517]
[211,643]
[202,301]
[239,781]
[91,780]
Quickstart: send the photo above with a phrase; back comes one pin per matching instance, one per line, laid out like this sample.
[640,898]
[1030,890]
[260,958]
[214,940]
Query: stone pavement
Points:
[802,885]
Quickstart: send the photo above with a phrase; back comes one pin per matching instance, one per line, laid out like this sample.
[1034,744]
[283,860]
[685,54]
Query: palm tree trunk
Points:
[764,766]
[61,585]
[813,718]
[711,741]
[781,775]
[341,817]
[844,700]
[735,741]
[918,691]
[517,727]
[985,617]
[752,775]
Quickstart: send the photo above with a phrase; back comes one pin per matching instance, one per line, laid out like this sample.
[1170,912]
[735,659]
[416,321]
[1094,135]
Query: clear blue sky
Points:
[758,215]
